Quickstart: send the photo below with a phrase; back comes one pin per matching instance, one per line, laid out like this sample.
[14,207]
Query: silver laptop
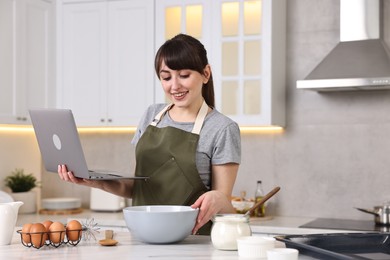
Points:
[59,143]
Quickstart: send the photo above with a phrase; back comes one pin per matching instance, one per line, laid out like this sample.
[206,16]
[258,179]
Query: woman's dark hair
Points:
[186,52]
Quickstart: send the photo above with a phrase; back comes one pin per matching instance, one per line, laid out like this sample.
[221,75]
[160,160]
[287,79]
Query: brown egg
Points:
[73,230]
[25,233]
[37,232]
[57,232]
[47,224]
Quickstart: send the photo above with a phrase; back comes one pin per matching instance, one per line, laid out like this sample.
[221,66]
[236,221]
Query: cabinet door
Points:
[26,65]
[107,73]
[130,64]
[245,41]
[7,61]
[249,59]
[84,61]
[36,67]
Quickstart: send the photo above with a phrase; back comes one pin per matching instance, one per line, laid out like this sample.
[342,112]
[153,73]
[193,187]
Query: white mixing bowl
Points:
[160,224]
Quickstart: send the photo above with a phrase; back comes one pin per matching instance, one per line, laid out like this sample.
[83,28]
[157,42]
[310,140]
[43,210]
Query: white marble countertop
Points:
[193,247]
[115,220]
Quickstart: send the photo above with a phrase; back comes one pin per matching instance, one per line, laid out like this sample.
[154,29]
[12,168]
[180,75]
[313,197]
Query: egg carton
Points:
[40,241]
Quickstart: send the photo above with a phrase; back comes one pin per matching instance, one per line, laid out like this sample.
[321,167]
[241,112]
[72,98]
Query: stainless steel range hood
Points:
[361,61]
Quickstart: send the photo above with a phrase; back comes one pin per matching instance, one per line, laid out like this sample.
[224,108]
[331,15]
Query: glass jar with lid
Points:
[227,228]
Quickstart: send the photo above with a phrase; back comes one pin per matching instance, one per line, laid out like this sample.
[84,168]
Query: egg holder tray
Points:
[49,242]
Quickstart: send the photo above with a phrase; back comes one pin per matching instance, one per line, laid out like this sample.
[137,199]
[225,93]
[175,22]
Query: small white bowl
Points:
[255,246]
[282,254]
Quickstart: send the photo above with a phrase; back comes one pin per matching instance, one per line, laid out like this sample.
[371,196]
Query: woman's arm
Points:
[218,200]
[121,187]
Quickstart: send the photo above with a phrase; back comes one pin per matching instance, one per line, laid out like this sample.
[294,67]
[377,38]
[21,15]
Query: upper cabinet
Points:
[96,57]
[27,58]
[245,41]
[106,53]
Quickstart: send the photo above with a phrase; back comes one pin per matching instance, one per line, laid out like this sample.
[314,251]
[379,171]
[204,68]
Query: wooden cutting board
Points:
[60,211]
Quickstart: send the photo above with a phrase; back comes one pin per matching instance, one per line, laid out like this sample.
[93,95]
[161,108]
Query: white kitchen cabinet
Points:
[106,71]
[26,64]
[245,40]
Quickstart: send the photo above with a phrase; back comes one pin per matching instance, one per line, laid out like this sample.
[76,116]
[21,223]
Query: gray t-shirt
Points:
[219,140]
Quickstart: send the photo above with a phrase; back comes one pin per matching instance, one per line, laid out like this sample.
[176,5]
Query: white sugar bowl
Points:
[255,246]
[282,254]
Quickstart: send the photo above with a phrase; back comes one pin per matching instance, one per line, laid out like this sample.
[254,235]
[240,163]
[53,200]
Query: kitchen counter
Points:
[115,221]
[193,247]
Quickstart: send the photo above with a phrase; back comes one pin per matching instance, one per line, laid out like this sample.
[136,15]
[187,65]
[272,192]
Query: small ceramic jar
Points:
[255,246]
[227,228]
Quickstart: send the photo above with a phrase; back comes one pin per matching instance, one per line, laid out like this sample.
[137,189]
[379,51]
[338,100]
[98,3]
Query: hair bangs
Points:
[178,56]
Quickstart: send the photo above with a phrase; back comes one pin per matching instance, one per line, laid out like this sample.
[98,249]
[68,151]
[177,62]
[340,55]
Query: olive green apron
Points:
[168,156]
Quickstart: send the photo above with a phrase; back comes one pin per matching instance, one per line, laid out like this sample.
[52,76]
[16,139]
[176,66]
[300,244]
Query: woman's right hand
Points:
[68,176]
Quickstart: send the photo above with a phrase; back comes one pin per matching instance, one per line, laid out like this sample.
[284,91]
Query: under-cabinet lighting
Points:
[113,130]
[29,128]
[16,129]
[261,129]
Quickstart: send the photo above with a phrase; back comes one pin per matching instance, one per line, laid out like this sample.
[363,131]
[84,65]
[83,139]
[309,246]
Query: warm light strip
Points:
[15,128]
[29,128]
[244,129]
[261,129]
[106,129]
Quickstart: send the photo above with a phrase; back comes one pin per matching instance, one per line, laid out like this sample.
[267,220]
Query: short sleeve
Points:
[227,148]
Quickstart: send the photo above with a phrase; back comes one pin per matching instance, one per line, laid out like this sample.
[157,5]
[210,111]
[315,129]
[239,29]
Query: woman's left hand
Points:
[209,204]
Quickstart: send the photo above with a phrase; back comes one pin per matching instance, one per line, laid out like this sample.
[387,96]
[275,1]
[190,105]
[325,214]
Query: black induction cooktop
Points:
[346,224]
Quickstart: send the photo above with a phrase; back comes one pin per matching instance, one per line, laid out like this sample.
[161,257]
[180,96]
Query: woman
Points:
[190,151]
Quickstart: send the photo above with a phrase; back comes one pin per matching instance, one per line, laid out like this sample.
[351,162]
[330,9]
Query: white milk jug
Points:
[8,217]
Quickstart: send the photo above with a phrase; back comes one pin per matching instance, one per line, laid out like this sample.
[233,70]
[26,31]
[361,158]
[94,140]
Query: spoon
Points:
[263,200]
[108,241]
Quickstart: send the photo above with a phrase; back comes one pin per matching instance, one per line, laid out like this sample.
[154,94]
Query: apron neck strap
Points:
[198,121]
[158,117]
[200,118]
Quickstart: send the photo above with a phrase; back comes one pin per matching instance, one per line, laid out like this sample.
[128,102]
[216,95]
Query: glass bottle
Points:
[259,194]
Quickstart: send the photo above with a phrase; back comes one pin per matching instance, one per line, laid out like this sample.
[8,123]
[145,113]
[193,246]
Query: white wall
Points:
[19,150]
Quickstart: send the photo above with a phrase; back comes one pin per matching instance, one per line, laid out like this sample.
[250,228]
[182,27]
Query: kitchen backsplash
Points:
[332,156]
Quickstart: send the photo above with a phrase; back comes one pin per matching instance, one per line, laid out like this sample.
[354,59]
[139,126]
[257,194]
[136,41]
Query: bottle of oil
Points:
[259,194]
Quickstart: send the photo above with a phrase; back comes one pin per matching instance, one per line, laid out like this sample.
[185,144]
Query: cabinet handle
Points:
[102,120]
[110,120]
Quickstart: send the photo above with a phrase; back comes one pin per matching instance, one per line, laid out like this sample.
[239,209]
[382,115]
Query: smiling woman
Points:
[189,151]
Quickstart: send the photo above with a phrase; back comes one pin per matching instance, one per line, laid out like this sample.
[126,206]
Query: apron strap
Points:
[198,121]
[200,118]
[158,117]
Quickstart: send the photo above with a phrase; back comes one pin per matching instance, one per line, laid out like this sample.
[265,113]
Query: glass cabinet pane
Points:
[229,97]
[230,18]
[252,97]
[172,21]
[252,17]
[229,58]
[194,20]
[252,58]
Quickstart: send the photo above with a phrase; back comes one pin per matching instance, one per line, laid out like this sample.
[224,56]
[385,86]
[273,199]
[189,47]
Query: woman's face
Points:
[183,87]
